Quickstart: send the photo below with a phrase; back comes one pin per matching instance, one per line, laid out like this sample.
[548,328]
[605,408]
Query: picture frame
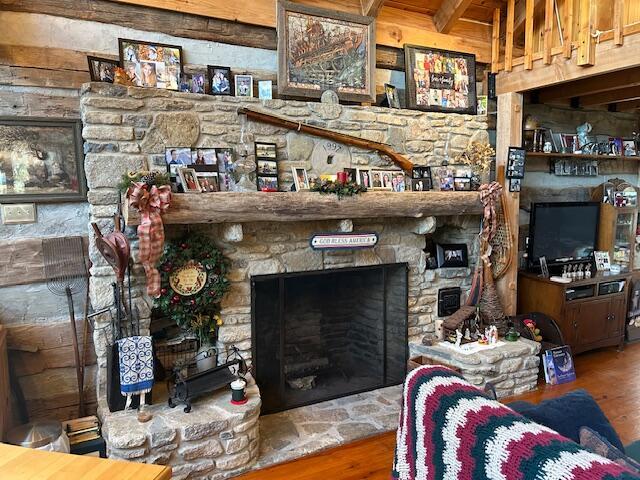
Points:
[629,148]
[102,69]
[244,85]
[27,143]
[364,177]
[448,85]
[452,255]
[267,167]
[602,260]
[151,64]
[300,178]
[189,180]
[515,184]
[421,172]
[421,184]
[462,184]
[220,82]
[376,180]
[265,89]
[208,181]
[398,181]
[177,158]
[515,162]
[444,178]
[392,97]
[225,158]
[298,60]
[352,175]
[203,156]
[198,82]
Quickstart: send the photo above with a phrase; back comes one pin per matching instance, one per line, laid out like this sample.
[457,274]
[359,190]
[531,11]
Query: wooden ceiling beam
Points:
[371,8]
[627,106]
[448,13]
[593,85]
[614,96]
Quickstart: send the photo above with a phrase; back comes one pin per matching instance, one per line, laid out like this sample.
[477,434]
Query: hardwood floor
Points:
[611,377]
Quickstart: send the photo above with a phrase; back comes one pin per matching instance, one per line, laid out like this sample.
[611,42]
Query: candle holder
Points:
[238,392]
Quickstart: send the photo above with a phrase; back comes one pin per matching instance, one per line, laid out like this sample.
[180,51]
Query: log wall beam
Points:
[509,134]
[590,86]
[613,96]
[371,8]
[449,13]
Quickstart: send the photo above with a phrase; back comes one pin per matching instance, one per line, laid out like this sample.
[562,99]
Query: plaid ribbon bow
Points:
[150,201]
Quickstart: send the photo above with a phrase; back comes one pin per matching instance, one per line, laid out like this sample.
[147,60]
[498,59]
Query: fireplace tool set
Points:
[130,355]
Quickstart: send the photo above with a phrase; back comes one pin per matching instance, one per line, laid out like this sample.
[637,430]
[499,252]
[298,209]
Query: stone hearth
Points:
[129,128]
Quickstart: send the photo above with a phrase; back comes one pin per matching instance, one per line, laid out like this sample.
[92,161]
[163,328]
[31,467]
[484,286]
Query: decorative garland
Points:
[150,178]
[187,303]
[340,189]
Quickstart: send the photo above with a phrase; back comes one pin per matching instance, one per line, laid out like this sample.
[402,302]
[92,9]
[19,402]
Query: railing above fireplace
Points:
[233,207]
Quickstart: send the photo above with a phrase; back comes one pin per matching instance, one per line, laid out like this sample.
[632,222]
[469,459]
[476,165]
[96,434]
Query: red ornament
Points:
[193,301]
[175,298]
[163,291]
[184,246]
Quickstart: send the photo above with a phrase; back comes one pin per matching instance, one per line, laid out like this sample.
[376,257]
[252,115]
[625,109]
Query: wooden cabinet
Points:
[617,234]
[590,313]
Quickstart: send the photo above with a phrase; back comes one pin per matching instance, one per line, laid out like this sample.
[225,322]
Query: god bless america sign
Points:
[336,241]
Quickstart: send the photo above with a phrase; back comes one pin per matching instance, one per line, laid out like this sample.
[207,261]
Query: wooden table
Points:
[17,463]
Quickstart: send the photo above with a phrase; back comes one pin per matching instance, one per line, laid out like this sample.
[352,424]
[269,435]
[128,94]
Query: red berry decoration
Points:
[163,291]
[184,246]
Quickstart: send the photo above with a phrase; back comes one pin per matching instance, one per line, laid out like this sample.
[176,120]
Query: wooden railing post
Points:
[586,42]
[509,134]
[495,42]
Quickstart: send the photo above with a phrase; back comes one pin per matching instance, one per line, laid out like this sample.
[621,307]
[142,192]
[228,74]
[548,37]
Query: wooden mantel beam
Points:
[448,13]
[233,207]
[371,8]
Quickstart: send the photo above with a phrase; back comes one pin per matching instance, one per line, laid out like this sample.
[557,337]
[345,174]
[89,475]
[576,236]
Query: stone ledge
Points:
[215,436]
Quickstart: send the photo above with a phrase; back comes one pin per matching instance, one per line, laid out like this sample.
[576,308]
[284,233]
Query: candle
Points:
[238,396]
[342,177]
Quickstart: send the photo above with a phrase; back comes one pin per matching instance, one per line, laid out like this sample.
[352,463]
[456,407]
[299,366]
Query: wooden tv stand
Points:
[587,316]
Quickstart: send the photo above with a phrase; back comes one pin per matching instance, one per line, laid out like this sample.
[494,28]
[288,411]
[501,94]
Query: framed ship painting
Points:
[440,80]
[41,160]
[322,50]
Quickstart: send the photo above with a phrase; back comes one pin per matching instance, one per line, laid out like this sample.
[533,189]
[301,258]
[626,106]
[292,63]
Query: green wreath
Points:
[186,309]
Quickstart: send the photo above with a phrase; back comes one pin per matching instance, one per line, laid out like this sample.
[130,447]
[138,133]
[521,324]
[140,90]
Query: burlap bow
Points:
[151,202]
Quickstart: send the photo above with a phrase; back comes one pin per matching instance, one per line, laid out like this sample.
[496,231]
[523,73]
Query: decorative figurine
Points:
[583,130]
[535,332]
[458,338]
[587,271]
[548,148]
[467,334]
[483,339]
[512,335]
[493,335]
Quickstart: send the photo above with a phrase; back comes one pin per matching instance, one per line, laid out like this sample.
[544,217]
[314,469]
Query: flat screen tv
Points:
[562,232]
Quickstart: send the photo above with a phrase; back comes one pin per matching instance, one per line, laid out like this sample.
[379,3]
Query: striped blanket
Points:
[450,430]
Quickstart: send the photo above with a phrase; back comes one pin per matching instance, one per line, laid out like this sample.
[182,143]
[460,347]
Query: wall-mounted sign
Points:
[335,241]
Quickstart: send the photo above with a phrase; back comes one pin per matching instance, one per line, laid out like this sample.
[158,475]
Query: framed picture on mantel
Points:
[440,80]
[322,50]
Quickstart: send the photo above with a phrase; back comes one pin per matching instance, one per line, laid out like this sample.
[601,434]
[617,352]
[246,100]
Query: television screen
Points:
[560,231]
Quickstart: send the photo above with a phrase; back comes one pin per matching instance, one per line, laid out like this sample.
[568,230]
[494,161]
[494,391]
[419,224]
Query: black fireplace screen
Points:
[326,334]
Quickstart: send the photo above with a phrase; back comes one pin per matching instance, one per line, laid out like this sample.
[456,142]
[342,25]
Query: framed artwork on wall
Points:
[322,50]
[150,64]
[440,80]
[41,160]
[220,82]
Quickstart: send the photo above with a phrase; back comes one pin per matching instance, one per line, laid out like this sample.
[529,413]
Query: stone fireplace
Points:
[357,333]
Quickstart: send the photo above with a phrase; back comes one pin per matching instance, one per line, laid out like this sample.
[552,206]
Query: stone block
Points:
[91,147]
[265,267]
[361,116]
[424,226]
[127,454]
[197,431]
[107,170]
[326,111]
[229,462]
[236,444]
[206,449]
[299,147]
[169,104]
[232,232]
[213,129]
[111,103]
[391,119]
[141,92]
[103,118]
[104,132]
[345,226]
[138,120]
[236,333]
[302,260]
[160,434]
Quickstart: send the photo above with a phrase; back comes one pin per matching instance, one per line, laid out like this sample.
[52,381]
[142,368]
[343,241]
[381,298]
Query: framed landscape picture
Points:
[440,80]
[41,160]
[322,50]
[151,64]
